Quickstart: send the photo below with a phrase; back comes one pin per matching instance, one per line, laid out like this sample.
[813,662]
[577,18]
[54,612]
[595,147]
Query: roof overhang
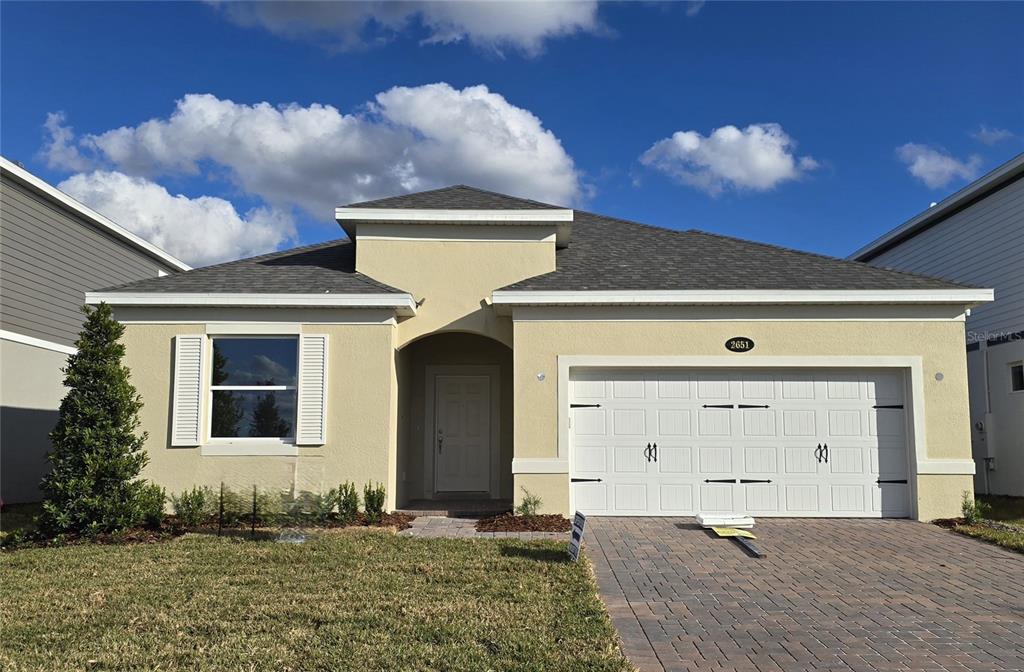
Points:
[684,297]
[560,218]
[96,219]
[403,304]
[1005,174]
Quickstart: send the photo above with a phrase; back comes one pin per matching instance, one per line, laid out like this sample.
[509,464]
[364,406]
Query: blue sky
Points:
[835,122]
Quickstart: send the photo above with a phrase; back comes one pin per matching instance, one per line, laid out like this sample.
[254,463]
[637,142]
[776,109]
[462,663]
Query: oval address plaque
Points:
[739,344]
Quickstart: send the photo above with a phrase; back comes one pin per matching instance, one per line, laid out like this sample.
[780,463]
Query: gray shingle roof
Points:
[458,197]
[614,254]
[604,254]
[314,269]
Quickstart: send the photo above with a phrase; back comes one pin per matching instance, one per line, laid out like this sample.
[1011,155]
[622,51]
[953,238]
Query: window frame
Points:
[268,445]
[1012,366]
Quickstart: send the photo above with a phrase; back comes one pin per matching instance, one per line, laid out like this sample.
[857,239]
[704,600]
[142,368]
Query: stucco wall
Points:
[31,389]
[454,277]
[938,343]
[360,416]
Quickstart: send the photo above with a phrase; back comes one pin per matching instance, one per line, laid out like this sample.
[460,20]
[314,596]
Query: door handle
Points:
[440,440]
[817,453]
[647,452]
[826,453]
[655,453]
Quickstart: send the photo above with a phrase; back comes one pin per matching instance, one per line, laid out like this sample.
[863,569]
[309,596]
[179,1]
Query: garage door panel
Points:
[714,460]
[714,422]
[674,459]
[760,498]
[891,499]
[847,499]
[629,422]
[846,460]
[673,386]
[802,498]
[760,460]
[676,499]
[887,422]
[713,387]
[800,422]
[630,497]
[591,460]
[844,386]
[757,387]
[717,498]
[589,390]
[758,422]
[590,421]
[674,422]
[885,388]
[591,496]
[799,460]
[628,389]
[629,460]
[844,423]
[798,386]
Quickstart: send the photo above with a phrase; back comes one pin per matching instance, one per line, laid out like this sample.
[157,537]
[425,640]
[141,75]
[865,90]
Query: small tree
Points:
[97,456]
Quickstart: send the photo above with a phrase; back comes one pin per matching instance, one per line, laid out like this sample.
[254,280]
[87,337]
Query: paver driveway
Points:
[831,594]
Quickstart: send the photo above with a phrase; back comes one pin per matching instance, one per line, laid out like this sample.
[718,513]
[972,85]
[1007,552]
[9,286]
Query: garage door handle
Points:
[817,453]
[654,452]
[825,453]
[647,452]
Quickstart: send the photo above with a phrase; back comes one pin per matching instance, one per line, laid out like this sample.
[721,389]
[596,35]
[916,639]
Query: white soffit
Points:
[562,218]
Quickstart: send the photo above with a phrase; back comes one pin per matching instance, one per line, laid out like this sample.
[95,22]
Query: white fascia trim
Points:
[540,465]
[36,342]
[946,467]
[749,296]
[423,215]
[401,303]
[96,218]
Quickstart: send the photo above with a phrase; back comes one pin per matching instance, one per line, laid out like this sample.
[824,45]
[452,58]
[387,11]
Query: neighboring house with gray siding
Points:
[976,236]
[53,249]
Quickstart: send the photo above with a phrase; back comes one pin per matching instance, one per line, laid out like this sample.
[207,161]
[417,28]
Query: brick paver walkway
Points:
[831,594]
[439,526]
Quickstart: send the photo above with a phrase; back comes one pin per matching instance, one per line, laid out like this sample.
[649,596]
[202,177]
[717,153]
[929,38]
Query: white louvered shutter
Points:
[311,427]
[188,390]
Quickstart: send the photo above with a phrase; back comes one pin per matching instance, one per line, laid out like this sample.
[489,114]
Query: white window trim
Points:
[247,445]
[1012,365]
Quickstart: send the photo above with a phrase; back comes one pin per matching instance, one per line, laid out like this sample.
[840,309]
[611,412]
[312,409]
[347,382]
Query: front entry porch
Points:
[454,425]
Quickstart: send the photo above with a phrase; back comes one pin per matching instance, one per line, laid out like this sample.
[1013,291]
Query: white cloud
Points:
[59,150]
[199,231]
[693,7]
[935,167]
[490,24]
[758,157]
[992,136]
[315,157]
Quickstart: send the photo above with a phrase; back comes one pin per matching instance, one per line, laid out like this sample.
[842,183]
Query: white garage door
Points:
[762,442]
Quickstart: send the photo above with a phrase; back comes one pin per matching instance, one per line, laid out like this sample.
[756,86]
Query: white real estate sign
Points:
[579,521]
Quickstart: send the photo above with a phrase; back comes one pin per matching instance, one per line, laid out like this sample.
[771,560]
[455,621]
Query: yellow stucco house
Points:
[466,344]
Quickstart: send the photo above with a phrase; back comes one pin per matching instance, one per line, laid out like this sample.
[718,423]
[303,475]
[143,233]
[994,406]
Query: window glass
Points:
[252,383]
[1017,377]
[254,361]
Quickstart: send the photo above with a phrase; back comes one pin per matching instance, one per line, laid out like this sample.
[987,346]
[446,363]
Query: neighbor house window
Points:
[1017,377]
[252,388]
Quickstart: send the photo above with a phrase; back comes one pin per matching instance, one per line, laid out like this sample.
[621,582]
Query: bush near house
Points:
[97,456]
[997,519]
[525,518]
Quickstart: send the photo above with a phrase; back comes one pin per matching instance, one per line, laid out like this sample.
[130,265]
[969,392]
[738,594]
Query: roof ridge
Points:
[818,255]
[450,187]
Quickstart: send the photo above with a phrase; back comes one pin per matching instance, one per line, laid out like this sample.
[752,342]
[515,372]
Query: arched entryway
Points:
[455,423]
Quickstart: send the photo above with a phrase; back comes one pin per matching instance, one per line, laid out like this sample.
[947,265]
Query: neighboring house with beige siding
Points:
[976,236]
[52,250]
[460,344]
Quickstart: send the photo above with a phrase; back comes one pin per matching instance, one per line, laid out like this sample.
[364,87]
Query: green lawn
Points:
[1005,509]
[362,600]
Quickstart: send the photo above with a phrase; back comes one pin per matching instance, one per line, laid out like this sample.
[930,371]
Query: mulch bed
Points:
[508,522]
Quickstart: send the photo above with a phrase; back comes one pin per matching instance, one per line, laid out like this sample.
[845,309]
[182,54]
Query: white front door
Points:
[462,433]
[760,442]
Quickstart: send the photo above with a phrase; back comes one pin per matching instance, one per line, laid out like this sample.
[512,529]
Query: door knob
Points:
[440,440]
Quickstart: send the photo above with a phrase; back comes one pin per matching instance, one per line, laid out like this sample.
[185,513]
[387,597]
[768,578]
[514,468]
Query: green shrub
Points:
[195,507]
[97,456]
[972,509]
[529,505]
[373,500]
[150,503]
[271,507]
[348,503]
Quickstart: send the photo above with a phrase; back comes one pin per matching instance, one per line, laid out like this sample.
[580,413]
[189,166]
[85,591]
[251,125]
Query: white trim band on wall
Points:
[36,342]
